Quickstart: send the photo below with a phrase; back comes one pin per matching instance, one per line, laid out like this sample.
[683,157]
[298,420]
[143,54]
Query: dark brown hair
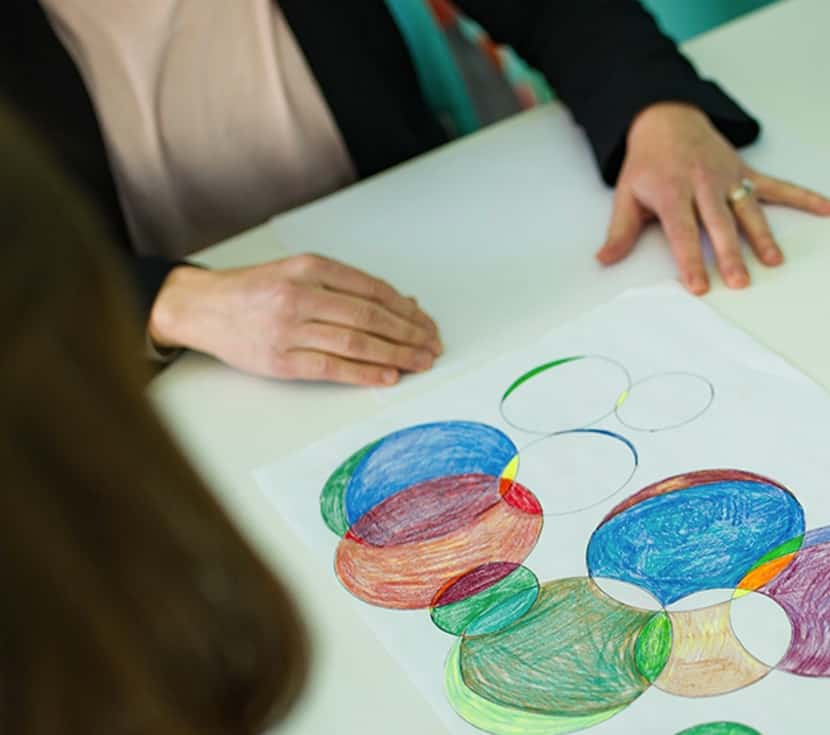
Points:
[128,601]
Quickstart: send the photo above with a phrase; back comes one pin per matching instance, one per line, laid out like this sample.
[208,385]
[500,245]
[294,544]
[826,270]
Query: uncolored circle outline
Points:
[596,432]
[772,667]
[539,369]
[670,427]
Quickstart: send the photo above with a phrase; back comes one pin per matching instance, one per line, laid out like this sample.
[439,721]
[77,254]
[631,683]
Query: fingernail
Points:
[738,278]
[697,285]
[773,257]
[389,376]
[423,359]
[605,255]
[436,346]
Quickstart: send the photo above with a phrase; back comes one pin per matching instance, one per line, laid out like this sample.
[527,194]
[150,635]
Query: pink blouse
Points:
[211,116]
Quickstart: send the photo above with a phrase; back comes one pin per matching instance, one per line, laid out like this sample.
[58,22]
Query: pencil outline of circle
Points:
[739,671]
[551,605]
[359,496]
[594,432]
[492,596]
[806,656]
[545,367]
[373,585]
[756,594]
[651,605]
[670,588]
[623,400]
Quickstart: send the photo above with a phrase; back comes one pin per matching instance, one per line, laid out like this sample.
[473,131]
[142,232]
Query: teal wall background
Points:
[444,85]
[683,19]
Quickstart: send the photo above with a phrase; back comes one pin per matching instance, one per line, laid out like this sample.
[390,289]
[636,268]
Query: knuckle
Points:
[724,233]
[687,261]
[704,175]
[368,375]
[412,334]
[277,336]
[354,343]
[669,195]
[284,297]
[765,240]
[307,263]
[367,315]
[322,366]
[405,357]
[731,262]
[684,233]
[377,289]
[411,307]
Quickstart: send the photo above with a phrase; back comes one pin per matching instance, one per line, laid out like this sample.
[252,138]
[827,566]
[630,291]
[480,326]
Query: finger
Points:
[363,347]
[754,223]
[341,277]
[776,191]
[312,365]
[627,220]
[719,222]
[331,307]
[679,222]
[421,317]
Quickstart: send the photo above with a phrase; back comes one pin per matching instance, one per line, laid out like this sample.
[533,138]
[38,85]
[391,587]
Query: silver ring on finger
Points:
[740,192]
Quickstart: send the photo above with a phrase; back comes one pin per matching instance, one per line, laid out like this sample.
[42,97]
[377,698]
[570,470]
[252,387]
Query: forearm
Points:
[607,60]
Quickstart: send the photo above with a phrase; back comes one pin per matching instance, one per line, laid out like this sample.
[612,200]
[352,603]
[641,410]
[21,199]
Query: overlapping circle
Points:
[579,656]
[577,469]
[567,393]
[431,516]
[434,517]
[580,391]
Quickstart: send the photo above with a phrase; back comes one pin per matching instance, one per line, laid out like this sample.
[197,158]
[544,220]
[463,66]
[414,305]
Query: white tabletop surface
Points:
[495,235]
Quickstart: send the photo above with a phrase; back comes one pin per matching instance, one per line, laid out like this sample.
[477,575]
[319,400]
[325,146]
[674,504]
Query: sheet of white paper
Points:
[720,400]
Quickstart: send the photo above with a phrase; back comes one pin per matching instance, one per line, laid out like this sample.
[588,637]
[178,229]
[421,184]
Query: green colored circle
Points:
[573,654]
[654,646]
[498,719]
[491,609]
[720,728]
[332,505]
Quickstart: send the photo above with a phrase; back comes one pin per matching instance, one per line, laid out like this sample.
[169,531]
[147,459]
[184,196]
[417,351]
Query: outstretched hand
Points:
[305,317]
[680,170]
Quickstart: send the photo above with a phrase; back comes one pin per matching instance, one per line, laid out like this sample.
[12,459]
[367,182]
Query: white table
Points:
[495,235]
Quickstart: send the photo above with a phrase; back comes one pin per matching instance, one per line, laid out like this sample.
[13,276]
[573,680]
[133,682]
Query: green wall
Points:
[683,19]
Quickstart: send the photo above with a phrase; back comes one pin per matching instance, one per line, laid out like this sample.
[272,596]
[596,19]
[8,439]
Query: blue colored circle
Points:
[425,452]
[698,538]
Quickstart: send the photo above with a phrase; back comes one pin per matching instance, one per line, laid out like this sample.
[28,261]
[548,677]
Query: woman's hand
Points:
[305,317]
[680,170]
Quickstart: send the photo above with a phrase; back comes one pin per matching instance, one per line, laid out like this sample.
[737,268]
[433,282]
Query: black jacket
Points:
[606,59]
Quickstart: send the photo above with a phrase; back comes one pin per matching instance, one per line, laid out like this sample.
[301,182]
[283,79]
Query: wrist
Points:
[659,113]
[170,323]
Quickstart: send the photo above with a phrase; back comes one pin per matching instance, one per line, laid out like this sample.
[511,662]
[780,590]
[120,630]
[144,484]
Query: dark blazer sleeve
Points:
[607,60]
[42,83]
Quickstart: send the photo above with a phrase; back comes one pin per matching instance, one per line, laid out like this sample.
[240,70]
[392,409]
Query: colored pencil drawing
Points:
[720,728]
[440,517]
[582,390]
[424,506]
